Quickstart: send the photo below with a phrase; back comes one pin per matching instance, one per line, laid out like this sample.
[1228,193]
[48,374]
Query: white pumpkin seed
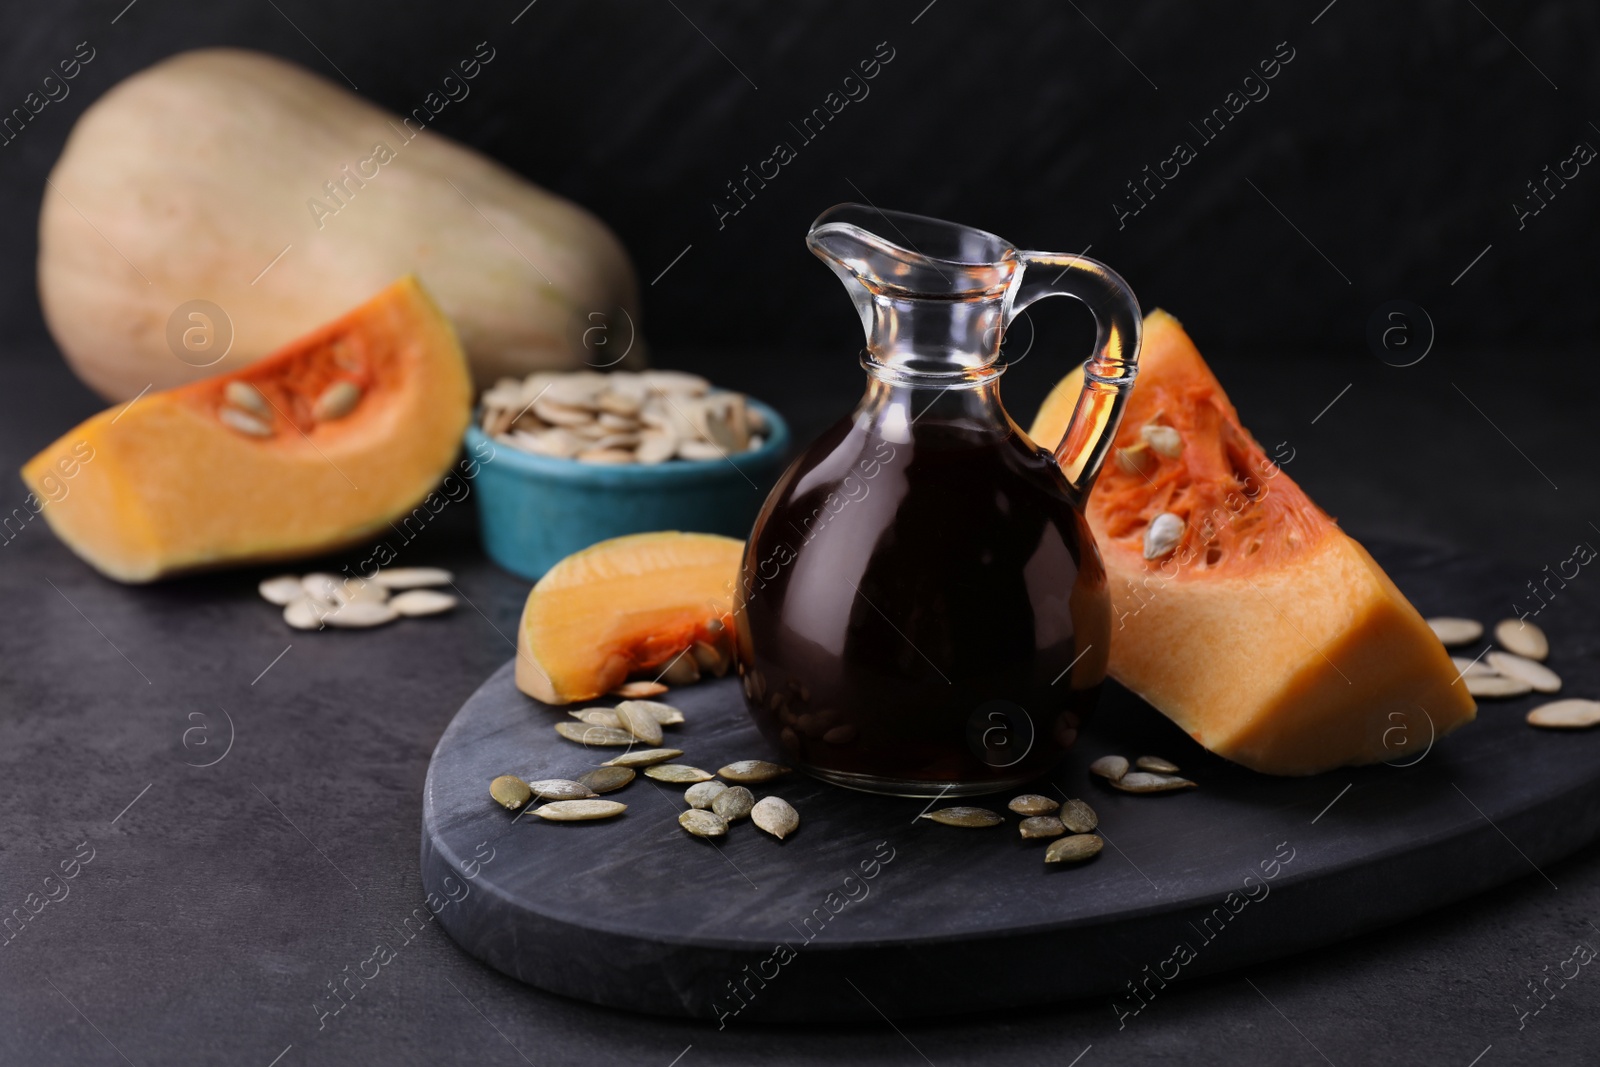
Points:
[1074,849]
[702,794]
[656,448]
[336,401]
[580,810]
[678,773]
[700,450]
[1109,767]
[1523,638]
[776,816]
[644,757]
[638,722]
[1078,817]
[360,614]
[1033,804]
[605,456]
[413,577]
[1472,668]
[559,789]
[248,397]
[356,589]
[1453,632]
[1497,686]
[709,658]
[510,792]
[322,588]
[1036,826]
[703,823]
[1164,534]
[753,771]
[607,779]
[665,714]
[304,614]
[1542,678]
[561,414]
[282,590]
[1145,782]
[560,443]
[1156,764]
[245,422]
[603,736]
[734,803]
[963,816]
[1163,440]
[419,602]
[681,671]
[1570,714]
[634,690]
[1137,460]
[598,717]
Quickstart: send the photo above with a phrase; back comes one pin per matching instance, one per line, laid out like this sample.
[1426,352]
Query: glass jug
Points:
[922,610]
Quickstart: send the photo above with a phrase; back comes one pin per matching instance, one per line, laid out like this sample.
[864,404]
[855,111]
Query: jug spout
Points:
[932,295]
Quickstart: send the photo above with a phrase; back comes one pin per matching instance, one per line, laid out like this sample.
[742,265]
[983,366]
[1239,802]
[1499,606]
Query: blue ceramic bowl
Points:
[536,510]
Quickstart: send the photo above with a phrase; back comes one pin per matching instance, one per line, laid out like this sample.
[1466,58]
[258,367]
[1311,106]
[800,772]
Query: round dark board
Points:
[867,909]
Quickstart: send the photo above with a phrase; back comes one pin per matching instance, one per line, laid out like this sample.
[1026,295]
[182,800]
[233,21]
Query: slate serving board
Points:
[867,910]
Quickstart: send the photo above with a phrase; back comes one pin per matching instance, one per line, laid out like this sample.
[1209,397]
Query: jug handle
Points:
[1108,373]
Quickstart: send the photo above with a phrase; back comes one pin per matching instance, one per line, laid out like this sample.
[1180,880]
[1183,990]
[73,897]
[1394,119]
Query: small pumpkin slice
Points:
[624,606]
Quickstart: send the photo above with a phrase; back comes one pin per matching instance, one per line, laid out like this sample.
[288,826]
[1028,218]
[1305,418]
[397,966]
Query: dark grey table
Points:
[223,904]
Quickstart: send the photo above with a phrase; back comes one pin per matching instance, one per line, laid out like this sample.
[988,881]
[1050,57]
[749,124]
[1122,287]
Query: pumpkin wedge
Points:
[625,606]
[1259,626]
[316,447]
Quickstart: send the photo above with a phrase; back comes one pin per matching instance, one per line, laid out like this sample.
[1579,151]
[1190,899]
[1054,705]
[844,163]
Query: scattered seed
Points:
[419,602]
[336,401]
[776,816]
[638,722]
[1163,535]
[1033,804]
[1156,764]
[1571,714]
[1078,817]
[679,773]
[413,577]
[1144,782]
[1453,632]
[633,690]
[1109,767]
[644,757]
[1523,638]
[964,816]
[1496,685]
[703,794]
[709,658]
[1040,826]
[1542,678]
[282,590]
[303,614]
[360,614]
[598,717]
[607,779]
[356,589]
[665,714]
[559,789]
[585,734]
[753,771]
[1164,440]
[244,422]
[702,823]
[246,396]
[510,792]
[1471,668]
[580,810]
[681,671]
[1074,849]
[734,803]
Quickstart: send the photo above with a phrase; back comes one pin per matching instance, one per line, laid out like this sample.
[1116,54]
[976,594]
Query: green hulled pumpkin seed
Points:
[607,779]
[964,816]
[1078,817]
[510,792]
[1033,804]
[1145,782]
[1074,849]
[753,771]
[1156,764]
[679,773]
[1109,767]
[585,734]
[644,757]
[734,803]
[703,823]
[1040,826]
[702,794]
[775,816]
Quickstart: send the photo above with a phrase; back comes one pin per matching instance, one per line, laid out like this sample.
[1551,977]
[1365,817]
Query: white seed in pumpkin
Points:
[282,590]
[681,671]
[1522,637]
[1163,535]
[1542,678]
[1137,459]
[413,577]
[1497,686]
[1569,714]
[709,658]
[1452,631]
[417,602]
[776,816]
[244,422]
[1163,440]
[248,397]
[336,401]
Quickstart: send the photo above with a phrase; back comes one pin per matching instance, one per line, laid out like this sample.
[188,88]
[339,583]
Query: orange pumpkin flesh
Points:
[624,606]
[1268,635]
[169,487]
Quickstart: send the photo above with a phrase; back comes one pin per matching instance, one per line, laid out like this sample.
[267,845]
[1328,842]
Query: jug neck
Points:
[937,342]
[895,405]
